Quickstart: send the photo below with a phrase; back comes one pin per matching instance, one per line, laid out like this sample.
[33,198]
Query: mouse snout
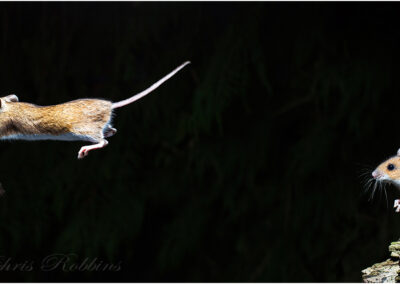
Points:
[376,174]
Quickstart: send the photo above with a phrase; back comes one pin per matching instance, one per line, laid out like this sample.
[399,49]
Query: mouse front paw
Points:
[397,205]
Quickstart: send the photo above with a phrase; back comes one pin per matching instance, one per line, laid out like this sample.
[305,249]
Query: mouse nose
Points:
[376,174]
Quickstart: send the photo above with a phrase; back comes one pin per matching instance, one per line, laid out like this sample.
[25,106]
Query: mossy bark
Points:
[387,271]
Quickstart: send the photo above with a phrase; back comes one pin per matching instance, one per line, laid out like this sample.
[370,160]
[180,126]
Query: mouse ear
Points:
[11,98]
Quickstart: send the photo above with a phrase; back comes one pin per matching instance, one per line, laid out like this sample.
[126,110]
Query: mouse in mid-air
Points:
[389,171]
[78,120]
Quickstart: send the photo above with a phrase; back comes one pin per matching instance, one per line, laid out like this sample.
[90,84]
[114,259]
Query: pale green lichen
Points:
[381,272]
[387,271]
[394,246]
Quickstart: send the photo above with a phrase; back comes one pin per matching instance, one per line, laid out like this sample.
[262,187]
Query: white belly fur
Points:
[62,137]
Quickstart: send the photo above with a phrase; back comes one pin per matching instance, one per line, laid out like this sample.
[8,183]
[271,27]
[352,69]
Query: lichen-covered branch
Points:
[387,271]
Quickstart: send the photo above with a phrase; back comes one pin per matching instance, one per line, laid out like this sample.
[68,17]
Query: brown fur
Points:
[85,117]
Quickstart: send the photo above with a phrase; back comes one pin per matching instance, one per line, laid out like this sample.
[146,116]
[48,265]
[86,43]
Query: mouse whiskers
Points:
[373,185]
[384,190]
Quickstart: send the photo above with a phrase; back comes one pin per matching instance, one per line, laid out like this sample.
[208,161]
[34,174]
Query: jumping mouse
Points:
[78,120]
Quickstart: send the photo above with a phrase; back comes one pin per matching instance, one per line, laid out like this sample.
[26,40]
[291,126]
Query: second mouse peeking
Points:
[78,120]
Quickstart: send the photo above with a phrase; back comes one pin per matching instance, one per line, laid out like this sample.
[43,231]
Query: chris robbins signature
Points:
[65,262]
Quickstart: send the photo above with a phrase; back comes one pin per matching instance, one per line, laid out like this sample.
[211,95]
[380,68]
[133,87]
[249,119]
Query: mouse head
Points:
[389,170]
[8,99]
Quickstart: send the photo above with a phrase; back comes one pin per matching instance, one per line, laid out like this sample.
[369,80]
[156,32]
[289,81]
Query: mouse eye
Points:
[390,167]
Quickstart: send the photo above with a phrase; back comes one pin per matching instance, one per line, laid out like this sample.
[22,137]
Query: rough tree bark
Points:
[387,271]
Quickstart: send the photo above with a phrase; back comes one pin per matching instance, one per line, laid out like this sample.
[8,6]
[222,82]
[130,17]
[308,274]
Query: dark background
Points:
[243,167]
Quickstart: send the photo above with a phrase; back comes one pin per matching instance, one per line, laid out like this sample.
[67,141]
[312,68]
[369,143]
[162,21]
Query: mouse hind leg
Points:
[97,137]
[109,131]
[84,151]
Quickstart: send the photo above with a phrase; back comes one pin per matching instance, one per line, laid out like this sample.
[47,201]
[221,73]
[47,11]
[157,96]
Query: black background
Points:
[243,167]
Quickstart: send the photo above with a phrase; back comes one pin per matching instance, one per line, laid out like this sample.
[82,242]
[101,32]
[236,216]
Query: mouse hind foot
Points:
[84,151]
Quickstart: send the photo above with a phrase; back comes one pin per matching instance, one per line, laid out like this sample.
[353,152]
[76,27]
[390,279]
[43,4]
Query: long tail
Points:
[148,90]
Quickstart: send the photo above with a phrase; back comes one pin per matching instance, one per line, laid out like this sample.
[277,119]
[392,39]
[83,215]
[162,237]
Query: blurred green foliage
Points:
[243,167]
